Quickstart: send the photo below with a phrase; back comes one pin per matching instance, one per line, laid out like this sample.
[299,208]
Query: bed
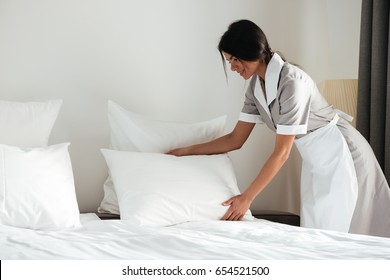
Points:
[169,206]
[259,239]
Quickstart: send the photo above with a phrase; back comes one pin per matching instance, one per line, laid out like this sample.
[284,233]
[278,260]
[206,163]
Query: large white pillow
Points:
[27,124]
[133,132]
[36,188]
[161,190]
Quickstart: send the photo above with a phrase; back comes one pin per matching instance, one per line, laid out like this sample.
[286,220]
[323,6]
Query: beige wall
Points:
[160,58]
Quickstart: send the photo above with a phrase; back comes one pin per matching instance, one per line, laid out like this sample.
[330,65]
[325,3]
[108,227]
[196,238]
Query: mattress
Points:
[99,239]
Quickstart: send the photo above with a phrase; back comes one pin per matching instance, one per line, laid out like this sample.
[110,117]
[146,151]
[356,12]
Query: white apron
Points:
[328,181]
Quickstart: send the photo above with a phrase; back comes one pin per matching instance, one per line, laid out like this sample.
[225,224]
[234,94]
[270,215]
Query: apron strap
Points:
[334,120]
[344,115]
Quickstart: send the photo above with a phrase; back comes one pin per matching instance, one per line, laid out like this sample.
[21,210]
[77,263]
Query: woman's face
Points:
[246,69]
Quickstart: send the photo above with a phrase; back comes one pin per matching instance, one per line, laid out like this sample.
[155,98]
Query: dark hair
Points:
[245,41]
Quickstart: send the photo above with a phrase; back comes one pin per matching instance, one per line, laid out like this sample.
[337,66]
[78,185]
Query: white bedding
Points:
[259,239]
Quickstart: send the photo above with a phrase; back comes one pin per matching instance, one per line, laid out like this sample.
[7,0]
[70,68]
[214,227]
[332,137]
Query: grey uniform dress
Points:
[289,103]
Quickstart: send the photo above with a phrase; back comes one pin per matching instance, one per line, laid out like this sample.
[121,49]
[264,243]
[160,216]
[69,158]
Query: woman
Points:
[342,185]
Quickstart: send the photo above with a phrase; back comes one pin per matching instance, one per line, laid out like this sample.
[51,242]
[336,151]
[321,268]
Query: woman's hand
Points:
[239,205]
[179,152]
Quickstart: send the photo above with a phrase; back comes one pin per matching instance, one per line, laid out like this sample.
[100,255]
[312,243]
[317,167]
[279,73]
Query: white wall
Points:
[160,58]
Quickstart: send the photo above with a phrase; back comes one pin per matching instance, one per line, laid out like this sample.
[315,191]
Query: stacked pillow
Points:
[136,133]
[36,180]
[148,187]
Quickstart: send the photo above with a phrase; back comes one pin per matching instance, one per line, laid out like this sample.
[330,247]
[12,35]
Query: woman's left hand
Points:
[239,204]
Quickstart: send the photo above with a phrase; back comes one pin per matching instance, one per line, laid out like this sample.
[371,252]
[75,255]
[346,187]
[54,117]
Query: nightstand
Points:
[274,216]
[106,216]
[277,216]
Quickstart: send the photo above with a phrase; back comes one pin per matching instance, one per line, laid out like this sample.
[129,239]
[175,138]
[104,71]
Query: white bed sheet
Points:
[115,239]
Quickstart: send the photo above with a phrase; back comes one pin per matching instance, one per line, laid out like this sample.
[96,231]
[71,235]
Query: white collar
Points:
[271,82]
[272,73]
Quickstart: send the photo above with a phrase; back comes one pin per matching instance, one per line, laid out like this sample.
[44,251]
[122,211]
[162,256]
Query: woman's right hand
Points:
[179,152]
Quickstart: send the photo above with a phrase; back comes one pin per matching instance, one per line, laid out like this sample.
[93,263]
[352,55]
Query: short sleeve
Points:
[295,101]
[249,112]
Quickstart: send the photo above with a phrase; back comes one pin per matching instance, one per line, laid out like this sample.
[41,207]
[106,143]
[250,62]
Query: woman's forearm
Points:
[265,176]
[229,142]
[220,145]
[271,167]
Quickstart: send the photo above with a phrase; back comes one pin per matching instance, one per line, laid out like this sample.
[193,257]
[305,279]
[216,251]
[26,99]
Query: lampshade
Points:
[342,94]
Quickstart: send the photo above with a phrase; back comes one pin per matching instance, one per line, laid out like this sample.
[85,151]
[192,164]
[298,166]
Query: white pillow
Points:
[161,190]
[132,132]
[27,124]
[36,188]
